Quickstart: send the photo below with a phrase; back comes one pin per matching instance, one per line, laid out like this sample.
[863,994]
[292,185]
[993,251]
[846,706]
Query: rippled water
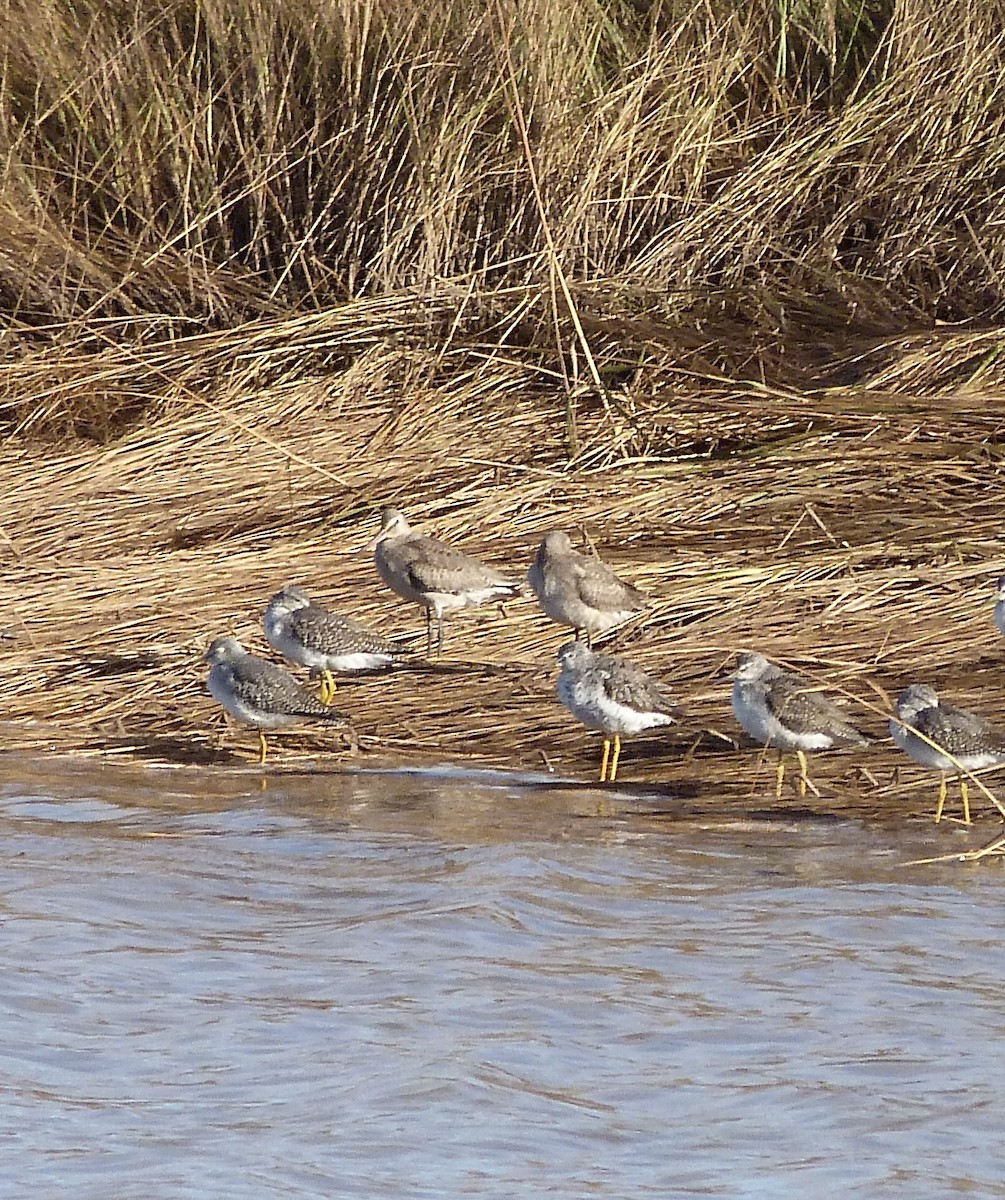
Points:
[407,985]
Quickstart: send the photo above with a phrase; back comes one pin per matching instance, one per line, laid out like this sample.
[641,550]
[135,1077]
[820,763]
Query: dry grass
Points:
[860,546]
[717,284]
[166,169]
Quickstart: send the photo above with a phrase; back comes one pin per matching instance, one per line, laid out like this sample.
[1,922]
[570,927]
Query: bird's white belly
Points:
[441,602]
[360,660]
[622,719]
[976,762]
[305,655]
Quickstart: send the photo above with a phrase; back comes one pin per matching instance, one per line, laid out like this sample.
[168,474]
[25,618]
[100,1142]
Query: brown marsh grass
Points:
[715,285]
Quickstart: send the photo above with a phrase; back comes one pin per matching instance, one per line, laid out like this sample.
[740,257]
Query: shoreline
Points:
[107,647]
[865,560]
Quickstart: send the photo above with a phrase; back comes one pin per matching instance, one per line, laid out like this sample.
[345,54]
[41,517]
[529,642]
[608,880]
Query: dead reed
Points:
[861,547]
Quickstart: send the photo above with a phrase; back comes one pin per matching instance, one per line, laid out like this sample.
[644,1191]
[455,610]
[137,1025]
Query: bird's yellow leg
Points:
[612,774]
[942,799]
[603,761]
[802,772]
[327,693]
[262,747]
[780,775]
[965,797]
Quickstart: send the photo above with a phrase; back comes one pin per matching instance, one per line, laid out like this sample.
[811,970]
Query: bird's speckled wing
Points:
[799,708]
[333,633]
[959,732]
[264,686]
[600,588]
[627,684]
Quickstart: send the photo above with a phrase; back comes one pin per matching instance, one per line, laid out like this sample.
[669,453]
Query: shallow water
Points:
[425,985]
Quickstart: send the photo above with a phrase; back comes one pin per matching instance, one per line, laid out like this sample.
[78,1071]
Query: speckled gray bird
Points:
[788,713]
[429,572]
[260,693]
[310,634]
[580,590]
[608,693]
[950,739]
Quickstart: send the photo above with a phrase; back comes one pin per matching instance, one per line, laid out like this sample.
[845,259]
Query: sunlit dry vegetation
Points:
[718,284]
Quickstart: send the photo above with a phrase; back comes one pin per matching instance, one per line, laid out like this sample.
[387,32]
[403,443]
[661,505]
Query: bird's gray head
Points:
[575,656]
[1000,587]
[554,542]
[916,699]
[392,524]
[750,666]
[222,650]
[289,599]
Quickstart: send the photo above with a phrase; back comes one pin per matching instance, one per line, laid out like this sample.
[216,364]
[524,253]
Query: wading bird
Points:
[786,712]
[308,633]
[579,590]
[259,693]
[961,740]
[610,694]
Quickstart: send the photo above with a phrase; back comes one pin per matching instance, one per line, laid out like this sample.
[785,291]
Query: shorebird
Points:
[963,741]
[1000,605]
[307,633]
[784,711]
[611,694]
[579,590]
[259,693]
[428,572]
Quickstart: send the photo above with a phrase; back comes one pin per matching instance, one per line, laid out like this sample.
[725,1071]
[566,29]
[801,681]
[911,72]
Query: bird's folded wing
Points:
[331,632]
[436,567]
[312,627]
[959,732]
[600,588]
[627,684]
[804,710]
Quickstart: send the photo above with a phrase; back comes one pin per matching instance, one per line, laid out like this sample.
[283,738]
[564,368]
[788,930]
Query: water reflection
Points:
[426,985]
